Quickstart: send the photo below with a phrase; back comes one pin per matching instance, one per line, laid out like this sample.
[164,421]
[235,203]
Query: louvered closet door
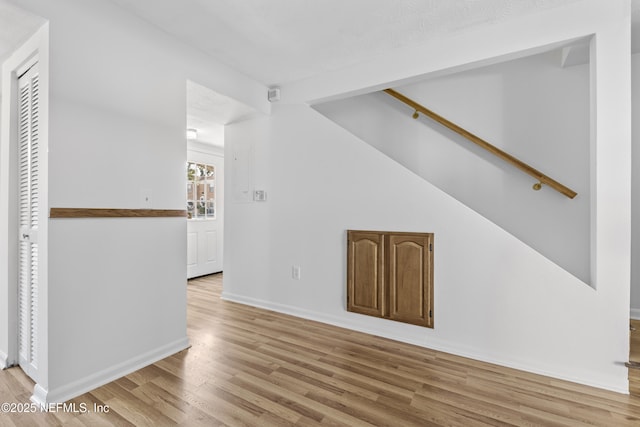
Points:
[28,192]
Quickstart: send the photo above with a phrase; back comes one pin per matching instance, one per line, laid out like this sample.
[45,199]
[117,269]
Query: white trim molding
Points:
[353,321]
[44,397]
[4,360]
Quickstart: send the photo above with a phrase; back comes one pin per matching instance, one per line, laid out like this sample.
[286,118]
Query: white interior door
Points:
[28,196]
[205,203]
[203,255]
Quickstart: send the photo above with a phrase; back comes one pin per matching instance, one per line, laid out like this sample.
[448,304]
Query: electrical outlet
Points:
[295,272]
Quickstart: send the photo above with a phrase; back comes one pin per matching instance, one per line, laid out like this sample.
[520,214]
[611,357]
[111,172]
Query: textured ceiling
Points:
[278,41]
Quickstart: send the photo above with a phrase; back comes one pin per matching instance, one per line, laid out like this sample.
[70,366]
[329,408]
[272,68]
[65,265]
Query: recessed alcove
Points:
[535,107]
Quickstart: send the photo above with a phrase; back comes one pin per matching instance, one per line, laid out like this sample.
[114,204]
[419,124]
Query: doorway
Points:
[209,114]
[205,212]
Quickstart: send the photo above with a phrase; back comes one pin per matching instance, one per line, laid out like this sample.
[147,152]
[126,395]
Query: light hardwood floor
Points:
[252,367]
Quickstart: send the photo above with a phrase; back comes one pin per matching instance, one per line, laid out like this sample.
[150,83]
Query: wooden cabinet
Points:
[390,275]
[366,271]
[410,278]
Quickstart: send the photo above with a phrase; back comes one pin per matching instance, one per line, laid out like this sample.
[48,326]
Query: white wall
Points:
[4,333]
[126,81]
[635,196]
[195,148]
[533,109]
[496,298]
[564,94]
[117,296]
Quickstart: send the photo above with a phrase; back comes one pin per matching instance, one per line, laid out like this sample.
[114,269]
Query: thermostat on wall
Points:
[259,196]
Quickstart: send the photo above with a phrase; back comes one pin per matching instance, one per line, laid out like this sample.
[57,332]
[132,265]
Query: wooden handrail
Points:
[542,178]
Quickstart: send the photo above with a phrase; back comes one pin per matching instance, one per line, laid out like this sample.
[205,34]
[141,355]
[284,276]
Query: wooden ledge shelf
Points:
[116,213]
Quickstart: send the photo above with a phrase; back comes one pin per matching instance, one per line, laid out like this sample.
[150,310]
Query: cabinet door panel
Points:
[410,279]
[365,271]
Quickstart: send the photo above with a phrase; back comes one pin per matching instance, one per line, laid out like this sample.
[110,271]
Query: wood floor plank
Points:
[275,395]
[253,367]
[280,413]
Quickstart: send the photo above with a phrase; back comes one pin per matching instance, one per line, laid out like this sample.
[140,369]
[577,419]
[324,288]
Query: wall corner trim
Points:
[4,360]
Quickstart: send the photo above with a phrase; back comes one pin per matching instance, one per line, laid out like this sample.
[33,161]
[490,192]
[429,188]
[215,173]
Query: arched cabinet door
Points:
[365,273]
[390,275]
[410,279]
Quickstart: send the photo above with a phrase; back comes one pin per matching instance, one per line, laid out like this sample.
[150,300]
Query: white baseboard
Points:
[39,396]
[4,360]
[43,397]
[585,378]
[635,313]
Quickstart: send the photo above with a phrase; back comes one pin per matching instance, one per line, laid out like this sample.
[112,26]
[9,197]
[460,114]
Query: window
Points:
[201,191]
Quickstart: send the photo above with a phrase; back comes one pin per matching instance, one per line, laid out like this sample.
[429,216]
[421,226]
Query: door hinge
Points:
[430,313]
[431,247]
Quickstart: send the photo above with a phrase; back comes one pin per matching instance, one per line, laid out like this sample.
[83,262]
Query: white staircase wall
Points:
[531,108]
[496,299]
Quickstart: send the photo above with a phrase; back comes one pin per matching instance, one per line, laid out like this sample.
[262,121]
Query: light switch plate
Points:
[260,196]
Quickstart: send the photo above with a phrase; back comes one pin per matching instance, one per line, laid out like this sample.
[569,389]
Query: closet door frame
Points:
[35,49]
[28,217]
